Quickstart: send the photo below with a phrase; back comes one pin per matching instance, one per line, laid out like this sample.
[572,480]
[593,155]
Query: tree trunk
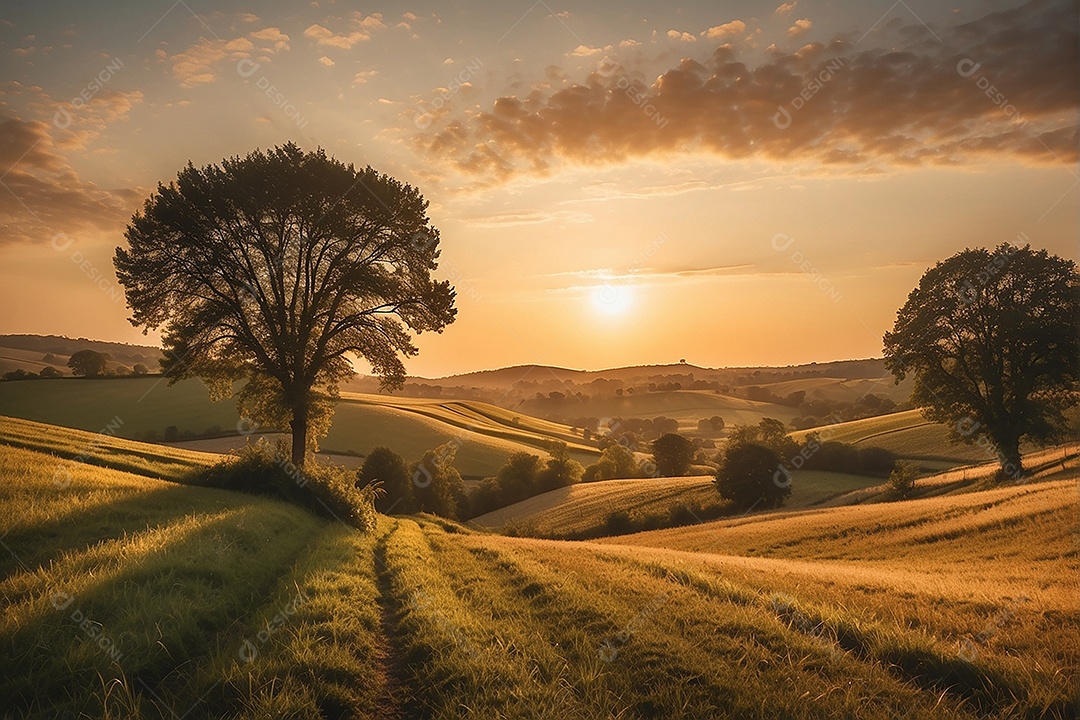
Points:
[1012,463]
[299,436]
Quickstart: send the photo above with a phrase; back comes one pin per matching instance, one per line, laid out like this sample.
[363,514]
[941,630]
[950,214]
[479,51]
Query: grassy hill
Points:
[582,510]
[131,597]
[486,435]
[686,406]
[908,434]
[28,352]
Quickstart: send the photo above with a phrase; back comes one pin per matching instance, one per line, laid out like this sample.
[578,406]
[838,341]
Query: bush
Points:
[326,490]
[384,465]
[618,523]
[902,478]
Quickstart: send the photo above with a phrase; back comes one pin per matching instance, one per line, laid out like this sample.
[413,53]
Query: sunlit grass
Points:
[137,598]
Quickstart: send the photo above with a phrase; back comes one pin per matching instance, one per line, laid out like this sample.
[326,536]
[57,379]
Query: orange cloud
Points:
[831,104]
[41,195]
[735,27]
[800,26]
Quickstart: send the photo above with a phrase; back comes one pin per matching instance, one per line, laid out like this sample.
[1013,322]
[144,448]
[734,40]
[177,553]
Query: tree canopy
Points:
[992,341]
[274,268]
[89,363]
[672,454]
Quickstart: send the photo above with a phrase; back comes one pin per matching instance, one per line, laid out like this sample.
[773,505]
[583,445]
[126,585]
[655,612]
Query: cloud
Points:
[800,26]
[362,77]
[41,195]
[325,36]
[360,31]
[77,121]
[584,51]
[785,8]
[529,217]
[839,105]
[279,39]
[629,43]
[735,27]
[681,36]
[196,65]
[326,61]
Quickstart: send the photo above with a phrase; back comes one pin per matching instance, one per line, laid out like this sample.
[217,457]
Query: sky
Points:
[615,182]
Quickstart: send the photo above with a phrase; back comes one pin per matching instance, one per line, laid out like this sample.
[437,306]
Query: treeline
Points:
[817,411]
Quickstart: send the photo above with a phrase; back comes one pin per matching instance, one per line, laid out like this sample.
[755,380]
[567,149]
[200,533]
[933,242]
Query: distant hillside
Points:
[508,376]
[28,352]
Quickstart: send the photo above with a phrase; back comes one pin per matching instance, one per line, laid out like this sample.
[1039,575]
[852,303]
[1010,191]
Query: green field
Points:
[582,509]
[486,435]
[686,406]
[129,597]
[906,433]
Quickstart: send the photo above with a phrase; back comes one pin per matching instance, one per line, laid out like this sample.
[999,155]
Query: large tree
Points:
[992,341]
[273,269]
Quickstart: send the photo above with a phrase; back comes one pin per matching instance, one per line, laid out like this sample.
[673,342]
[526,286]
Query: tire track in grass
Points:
[313,648]
[457,661]
[392,699]
[666,678]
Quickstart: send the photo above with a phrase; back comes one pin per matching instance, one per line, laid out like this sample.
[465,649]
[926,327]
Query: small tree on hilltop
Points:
[993,343]
[88,363]
[672,454]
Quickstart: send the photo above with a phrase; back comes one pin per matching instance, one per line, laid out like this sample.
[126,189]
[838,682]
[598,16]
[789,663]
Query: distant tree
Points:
[993,343]
[623,462]
[560,469]
[121,370]
[51,359]
[602,469]
[18,374]
[139,369]
[518,477]
[274,268]
[749,477]
[902,478]
[384,465]
[437,485]
[50,372]
[672,454]
[172,433]
[88,363]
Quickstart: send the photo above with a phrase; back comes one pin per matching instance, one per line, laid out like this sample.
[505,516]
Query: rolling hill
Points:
[126,596]
[485,435]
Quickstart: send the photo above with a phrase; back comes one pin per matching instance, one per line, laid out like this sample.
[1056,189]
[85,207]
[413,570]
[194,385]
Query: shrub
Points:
[326,490]
[618,523]
[902,478]
[384,465]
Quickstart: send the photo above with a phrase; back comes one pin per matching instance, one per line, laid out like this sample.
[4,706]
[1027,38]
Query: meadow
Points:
[127,596]
[484,434]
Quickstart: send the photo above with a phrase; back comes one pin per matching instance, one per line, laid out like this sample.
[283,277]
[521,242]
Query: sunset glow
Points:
[666,146]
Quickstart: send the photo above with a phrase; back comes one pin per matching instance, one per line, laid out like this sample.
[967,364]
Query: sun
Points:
[611,299]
